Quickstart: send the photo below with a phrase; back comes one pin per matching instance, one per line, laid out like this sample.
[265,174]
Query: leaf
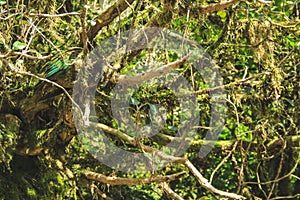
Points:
[2,2]
[19,45]
[221,13]
[153,108]
[133,101]
[291,102]
[172,128]
[91,22]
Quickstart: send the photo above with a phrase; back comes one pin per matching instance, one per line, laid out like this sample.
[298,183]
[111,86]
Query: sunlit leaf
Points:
[19,45]
[172,128]
[133,101]
[153,108]
[222,14]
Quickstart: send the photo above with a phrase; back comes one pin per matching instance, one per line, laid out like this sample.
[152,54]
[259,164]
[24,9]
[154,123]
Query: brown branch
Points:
[132,181]
[286,197]
[5,55]
[196,11]
[32,57]
[204,183]
[279,170]
[275,180]
[216,6]
[139,78]
[264,2]
[170,192]
[51,16]
[114,132]
[108,16]
[102,194]
[84,36]
[201,179]
[16,53]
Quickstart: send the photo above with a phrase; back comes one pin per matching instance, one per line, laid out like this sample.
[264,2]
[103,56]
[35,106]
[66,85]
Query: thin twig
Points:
[51,15]
[238,82]
[32,57]
[222,162]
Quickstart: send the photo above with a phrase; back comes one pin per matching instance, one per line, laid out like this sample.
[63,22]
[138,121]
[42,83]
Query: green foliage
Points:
[246,40]
[19,45]
[8,143]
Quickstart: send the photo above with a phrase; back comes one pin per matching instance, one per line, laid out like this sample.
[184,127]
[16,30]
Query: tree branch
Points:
[56,15]
[222,87]
[108,16]
[16,53]
[200,10]
[139,78]
[132,181]
[170,192]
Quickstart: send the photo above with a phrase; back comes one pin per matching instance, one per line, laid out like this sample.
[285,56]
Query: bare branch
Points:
[97,190]
[32,57]
[196,11]
[16,53]
[221,87]
[204,183]
[216,6]
[51,16]
[114,132]
[130,80]
[170,192]
[132,181]
[264,2]
[107,16]
[286,197]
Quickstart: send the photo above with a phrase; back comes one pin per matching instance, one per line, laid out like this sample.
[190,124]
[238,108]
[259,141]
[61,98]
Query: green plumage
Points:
[61,72]
[57,68]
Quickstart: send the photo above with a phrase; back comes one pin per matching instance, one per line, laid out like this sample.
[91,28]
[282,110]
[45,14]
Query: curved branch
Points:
[170,192]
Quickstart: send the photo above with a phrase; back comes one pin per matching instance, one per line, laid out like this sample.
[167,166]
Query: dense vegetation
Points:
[47,58]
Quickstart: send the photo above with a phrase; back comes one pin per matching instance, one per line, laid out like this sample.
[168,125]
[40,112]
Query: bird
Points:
[59,71]
[57,68]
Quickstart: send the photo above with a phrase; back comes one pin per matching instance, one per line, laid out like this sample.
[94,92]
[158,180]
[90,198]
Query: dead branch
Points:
[52,16]
[132,181]
[238,82]
[108,16]
[216,6]
[139,78]
[200,10]
[165,186]
[16,53]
